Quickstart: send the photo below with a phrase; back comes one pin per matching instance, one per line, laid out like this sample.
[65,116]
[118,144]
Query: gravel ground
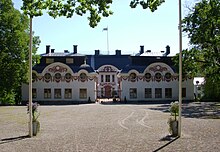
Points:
[111,128]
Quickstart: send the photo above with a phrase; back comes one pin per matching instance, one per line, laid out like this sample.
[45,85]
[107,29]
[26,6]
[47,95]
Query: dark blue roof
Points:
[140,69]
[119,61]
[140,63]
[122,62]
[75,69]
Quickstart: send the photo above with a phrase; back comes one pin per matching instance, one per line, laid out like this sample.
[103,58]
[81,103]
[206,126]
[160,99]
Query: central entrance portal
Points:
[108,91]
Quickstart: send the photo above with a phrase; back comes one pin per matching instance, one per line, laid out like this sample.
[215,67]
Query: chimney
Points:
[117,52]
[52,50]
[47,49]
[74,49]
[141,49]
[167,50]
[96,52]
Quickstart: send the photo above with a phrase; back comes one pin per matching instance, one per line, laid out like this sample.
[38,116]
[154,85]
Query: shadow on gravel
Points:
[167,138]
[202,110]
[7,140]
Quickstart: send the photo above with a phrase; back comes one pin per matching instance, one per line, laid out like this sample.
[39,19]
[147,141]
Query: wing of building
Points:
[70,77]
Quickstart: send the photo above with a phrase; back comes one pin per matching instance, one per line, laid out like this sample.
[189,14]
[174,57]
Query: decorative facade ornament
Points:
[158,68]
[107,69]
[57,68]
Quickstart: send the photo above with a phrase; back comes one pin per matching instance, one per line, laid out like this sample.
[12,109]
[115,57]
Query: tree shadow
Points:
[7,140]
[169,138]
[202,110]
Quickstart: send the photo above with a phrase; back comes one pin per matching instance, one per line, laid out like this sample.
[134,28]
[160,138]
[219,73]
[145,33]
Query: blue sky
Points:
[127,29]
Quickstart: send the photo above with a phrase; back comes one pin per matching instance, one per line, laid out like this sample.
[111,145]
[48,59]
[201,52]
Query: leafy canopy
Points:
[202,25]
[151,4]
[14,40]
[55,8]
[96,8]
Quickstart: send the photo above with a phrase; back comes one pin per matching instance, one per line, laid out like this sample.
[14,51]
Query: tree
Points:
[97,9]
[14,42]
[202,25]
[67,8]
[151,4]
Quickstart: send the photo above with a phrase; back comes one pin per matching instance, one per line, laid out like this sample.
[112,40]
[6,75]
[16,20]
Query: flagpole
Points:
[107,41]
[180,70]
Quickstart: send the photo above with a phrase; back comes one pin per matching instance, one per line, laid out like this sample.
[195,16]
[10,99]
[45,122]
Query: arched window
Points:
[147,76]
[133,76]
[34,77]
[158,77]
[82,76]
[47,77]
[57,76]
[68,77]
[168,76]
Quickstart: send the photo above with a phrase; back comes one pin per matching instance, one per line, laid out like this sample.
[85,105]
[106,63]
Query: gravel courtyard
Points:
[110,128]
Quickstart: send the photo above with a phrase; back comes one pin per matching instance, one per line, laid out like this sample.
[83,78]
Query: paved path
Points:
[110,128]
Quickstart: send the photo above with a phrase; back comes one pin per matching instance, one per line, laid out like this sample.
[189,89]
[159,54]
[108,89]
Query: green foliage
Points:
[7,98]
[14,42]
[151,4]
[190,62]
[212,89]
[174,109]
[96,9]
[35,57]
[68,8]
[203,28]
[13,46]
[202,25]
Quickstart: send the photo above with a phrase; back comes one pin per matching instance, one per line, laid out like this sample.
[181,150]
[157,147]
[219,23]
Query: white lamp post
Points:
[30,80]
[180,69]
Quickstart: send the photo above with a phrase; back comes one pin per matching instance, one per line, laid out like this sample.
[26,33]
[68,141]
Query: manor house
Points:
[70,77]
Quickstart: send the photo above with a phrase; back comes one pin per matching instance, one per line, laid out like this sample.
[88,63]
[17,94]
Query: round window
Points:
[168,76]
[133,76]
[47,76]
[34,77]
[67,76]
[83,76]
[147,76]
[58,76]
[158,76]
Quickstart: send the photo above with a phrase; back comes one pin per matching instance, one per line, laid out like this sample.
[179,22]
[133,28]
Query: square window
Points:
[102,78]
[158,92]
[168,92]
[47,93]
[57,93]
[107,78]
[68,93]
[183,92]
[133,93]
[113,78]
[69,60]
[49,60]
[148,93]
[82,93]
[34,93]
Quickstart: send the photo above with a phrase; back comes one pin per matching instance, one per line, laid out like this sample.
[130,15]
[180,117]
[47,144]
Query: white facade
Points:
[78,87]
[156,87]
[66,78]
